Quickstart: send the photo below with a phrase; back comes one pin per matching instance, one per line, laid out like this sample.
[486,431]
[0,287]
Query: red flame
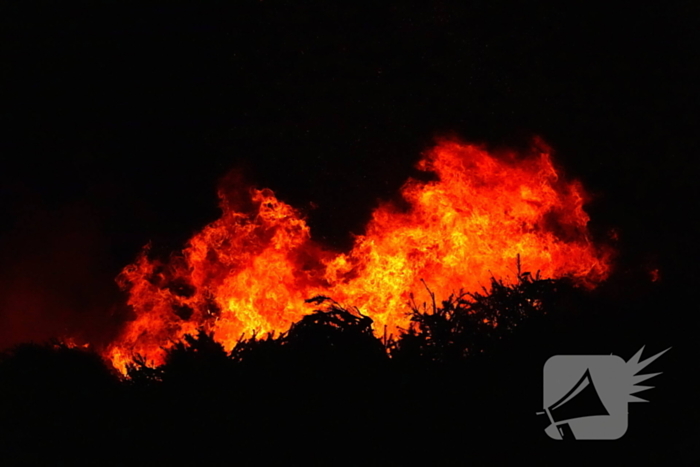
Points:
[251,270]
[654,274]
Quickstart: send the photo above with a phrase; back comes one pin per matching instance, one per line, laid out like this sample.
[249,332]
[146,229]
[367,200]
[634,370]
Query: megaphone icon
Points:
[582,400]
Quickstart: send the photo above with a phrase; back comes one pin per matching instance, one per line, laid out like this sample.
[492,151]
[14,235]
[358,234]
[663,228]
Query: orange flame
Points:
[252,269]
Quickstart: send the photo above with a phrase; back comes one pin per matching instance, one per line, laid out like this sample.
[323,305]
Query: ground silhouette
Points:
[460,386]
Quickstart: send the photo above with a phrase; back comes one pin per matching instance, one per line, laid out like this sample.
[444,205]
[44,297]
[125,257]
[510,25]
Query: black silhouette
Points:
[326,391]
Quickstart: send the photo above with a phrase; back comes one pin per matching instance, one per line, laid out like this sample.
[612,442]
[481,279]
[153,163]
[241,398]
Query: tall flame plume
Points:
[251,270]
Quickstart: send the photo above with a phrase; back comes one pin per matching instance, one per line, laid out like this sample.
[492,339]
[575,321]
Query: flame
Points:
[654,275]
[72,343]
[252,270]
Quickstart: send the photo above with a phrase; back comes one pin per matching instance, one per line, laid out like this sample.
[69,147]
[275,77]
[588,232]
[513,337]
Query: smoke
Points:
[55,278]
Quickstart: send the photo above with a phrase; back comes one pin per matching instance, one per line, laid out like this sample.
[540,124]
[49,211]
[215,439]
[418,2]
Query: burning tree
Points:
[470,323]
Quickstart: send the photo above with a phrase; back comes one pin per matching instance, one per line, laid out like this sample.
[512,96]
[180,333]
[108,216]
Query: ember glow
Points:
[252,270]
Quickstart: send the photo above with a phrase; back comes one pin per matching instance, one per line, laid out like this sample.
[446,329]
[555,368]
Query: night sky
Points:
[118,118]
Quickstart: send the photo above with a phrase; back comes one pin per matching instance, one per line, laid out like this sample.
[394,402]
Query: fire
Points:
[252,270]
[654,274]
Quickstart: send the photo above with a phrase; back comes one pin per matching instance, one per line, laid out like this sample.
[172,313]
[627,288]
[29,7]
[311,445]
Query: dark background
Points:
[118,118]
